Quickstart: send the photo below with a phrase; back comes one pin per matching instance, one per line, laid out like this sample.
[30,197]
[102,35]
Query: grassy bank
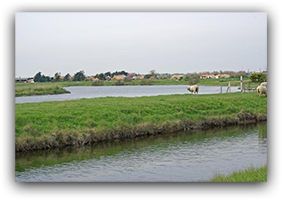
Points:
[249,175]
[38,89]
[54,124]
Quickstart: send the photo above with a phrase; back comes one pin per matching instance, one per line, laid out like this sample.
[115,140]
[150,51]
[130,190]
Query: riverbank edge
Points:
[27,95]
[90,136]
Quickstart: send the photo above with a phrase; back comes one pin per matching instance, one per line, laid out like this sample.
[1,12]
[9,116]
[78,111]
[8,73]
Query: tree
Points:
[57,77]
[67,77]
[123,72]
[108,74]
[101,76]
[37,77]
[45,79]
[258,77]
[79,76]
[153,72]
[120,73]
[41,78]
[194,80]
[147,76]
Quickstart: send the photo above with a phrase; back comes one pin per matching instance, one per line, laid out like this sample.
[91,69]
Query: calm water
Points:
[78,92]
[180,157]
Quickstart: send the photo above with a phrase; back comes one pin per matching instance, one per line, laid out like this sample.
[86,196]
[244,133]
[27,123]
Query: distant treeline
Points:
[78,76]
[191,77]
[103,76]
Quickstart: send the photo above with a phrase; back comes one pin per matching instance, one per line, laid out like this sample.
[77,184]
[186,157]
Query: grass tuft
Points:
[249,175]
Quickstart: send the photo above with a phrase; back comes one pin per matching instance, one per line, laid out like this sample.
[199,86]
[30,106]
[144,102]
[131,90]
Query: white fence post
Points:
[228,88]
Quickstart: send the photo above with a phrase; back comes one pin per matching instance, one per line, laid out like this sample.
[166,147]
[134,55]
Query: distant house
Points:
[30,80]
[95,79]
[138,77]
[20,80]
[204,76]
[24,80]
[176,76]
[108,78]
[91,78]
[207,76]
[119,77]
[131,76]
[212,76]
[223,75]
[152,77]
[226,76]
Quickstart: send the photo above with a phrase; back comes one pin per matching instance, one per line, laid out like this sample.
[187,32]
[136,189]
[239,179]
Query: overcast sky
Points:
[139,42]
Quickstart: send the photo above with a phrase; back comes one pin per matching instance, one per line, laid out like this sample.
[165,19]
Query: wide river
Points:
[78,92]
[176,157]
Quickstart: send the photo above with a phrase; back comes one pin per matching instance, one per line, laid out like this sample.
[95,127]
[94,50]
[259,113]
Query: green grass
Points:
[117,117]
[249,175]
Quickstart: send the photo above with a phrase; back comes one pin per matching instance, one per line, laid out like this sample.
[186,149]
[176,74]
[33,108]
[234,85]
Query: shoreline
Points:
[91,136]
[28,95]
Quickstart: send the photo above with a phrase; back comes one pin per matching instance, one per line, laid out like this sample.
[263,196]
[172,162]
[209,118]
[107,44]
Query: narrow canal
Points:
[177,157]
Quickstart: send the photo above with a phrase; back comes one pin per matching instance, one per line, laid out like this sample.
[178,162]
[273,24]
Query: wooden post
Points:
[220,89]
[241,78]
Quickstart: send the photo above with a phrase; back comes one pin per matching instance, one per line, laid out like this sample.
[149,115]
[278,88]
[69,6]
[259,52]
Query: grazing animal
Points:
[194,89]
[264,84]
[262,90]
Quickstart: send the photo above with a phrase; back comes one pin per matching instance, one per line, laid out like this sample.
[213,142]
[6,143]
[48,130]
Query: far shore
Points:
[44,88]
